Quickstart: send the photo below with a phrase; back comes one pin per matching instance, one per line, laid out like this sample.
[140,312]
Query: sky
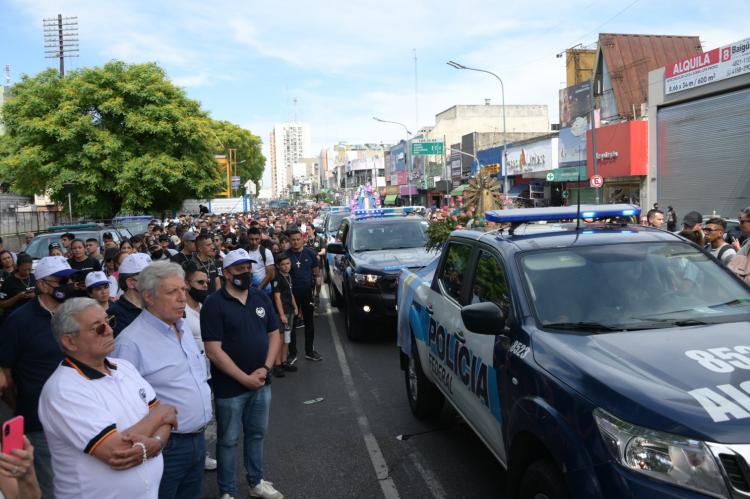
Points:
[336,64]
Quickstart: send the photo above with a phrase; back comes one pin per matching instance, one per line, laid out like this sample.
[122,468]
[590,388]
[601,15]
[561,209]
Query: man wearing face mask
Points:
[156,251]
[29,354]
[129,305]
[241,336]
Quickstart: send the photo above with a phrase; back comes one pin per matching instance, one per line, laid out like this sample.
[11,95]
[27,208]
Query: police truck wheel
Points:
[543,480]
[425,400]
[332,296]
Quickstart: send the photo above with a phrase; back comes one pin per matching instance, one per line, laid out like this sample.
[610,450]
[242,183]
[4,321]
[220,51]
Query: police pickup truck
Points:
[371,248]
[597,360]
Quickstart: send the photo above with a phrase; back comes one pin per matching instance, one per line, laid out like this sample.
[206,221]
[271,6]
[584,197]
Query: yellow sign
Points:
[491,169]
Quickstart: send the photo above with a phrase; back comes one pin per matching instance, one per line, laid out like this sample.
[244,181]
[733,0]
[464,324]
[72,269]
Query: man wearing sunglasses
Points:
[105,426]
[713,231]
[29,354]
[161,347]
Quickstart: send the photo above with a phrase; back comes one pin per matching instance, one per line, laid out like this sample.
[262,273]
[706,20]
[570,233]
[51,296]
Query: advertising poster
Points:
[708,67]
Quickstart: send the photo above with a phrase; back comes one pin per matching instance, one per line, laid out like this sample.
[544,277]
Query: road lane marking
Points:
[387,486]
[432,482]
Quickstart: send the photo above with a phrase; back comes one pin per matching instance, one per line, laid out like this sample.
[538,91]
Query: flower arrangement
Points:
[440,228]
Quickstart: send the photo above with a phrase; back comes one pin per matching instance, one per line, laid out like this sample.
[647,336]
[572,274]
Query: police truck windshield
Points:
[631,287]
[383,235]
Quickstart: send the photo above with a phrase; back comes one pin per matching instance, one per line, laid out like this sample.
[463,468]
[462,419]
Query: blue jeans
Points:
[42,463]
[247,413]
[184,458]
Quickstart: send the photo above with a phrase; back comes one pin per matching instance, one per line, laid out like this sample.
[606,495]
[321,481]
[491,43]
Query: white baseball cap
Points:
[53,266]
[237,257]
[94,279]
[134,263]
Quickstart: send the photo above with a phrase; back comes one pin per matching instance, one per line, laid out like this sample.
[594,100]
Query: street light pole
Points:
[68,186]
[411,158]
[506,183]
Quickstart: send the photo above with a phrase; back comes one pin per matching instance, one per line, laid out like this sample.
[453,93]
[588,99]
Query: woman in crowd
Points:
[7,265]
[126,246]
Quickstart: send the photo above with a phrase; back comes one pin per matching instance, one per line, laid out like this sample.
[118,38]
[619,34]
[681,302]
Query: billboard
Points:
[575,113]
[398,158]
[532,157]
[708,67]
[467,162]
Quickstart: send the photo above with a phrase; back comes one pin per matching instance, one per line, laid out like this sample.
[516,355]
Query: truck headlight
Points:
[367,280]
[678,460]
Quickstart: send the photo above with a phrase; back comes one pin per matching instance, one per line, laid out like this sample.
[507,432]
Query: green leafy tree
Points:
[250,159]
[129,139]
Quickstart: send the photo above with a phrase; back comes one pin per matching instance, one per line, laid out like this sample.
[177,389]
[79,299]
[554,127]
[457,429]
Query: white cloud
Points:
[197,80]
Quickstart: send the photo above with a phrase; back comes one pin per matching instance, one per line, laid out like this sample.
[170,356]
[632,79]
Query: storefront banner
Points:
[456,170]
[568,174]
[533,157]
[409,189]
[398,158]
[708,67]
[622,150]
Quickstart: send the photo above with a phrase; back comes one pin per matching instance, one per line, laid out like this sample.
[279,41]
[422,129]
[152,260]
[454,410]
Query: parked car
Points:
[39,246]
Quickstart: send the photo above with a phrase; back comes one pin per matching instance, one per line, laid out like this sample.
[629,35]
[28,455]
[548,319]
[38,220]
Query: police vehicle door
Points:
[476,357]
[448,357]
[339,261]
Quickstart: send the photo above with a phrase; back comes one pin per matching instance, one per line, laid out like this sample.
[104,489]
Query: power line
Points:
[61,39]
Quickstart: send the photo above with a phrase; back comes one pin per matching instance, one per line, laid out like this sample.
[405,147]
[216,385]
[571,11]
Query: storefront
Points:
[527,164]
[699,138]
[622,160]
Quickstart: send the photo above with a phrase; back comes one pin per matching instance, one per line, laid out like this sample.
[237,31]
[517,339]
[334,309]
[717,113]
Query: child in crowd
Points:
[286,308]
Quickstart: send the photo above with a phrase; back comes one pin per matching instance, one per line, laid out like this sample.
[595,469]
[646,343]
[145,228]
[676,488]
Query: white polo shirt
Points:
[80,408]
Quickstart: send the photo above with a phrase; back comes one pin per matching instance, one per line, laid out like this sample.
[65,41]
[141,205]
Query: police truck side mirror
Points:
[483,318]
[335,248]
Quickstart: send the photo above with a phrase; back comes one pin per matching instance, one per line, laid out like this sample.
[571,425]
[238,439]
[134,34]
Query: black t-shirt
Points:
[282,285]
[230,240]
[302,264]
[212,270]
[29,349]
[86,266]
[180,258]
[243,333]
[124,312]
[13,285]
[316,243]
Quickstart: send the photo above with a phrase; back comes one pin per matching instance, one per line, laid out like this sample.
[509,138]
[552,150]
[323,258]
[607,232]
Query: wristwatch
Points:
[268,369]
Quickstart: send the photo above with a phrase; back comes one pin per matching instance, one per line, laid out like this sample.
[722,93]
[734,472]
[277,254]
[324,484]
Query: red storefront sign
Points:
[621,150]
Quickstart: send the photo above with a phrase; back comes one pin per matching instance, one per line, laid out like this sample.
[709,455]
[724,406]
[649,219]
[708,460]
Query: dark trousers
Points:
[304,299]
[184,458]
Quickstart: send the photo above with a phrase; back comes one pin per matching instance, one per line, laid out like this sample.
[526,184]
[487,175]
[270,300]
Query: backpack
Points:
[722,251]
[740,265]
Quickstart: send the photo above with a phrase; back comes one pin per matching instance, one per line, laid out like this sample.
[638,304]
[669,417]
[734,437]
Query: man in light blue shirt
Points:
[164,351]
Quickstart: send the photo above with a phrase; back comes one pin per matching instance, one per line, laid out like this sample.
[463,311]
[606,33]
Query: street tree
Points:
[124,135]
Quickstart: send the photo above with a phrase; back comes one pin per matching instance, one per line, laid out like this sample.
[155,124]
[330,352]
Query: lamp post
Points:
[68,186]
[411,159]
[456,65]
[459,151]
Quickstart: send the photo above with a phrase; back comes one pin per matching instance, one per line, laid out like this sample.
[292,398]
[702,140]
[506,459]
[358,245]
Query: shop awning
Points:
[459,191]
[517,190]
[390,199]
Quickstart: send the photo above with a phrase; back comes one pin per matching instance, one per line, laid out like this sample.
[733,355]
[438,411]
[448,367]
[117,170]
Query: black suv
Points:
[371,249]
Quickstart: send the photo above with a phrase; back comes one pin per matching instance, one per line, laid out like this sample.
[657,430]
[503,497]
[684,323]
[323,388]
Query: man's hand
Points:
[167,413]
[256,379]
[126,458]
[736,244]
[153,447]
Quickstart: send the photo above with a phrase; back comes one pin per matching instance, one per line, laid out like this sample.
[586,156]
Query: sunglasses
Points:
[101,329]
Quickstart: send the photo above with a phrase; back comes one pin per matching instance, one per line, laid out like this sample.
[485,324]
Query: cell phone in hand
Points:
[12,434]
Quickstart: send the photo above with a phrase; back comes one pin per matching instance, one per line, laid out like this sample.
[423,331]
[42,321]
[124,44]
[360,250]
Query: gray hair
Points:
[151,277]
[65,321]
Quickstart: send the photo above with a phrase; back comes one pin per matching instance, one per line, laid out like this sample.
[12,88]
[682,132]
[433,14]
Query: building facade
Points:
[289,144]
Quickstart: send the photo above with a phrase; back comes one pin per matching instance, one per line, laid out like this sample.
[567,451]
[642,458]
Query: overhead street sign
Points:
[426,148]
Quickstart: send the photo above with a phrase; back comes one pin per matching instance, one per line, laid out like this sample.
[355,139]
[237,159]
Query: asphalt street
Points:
[347,445]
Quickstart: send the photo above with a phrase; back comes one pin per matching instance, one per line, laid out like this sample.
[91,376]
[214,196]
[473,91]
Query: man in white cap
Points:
[241,336]
[29,354]
[129,305]
[97,286]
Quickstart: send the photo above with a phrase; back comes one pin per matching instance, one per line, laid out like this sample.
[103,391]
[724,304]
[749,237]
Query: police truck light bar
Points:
[379,212]
[556,214]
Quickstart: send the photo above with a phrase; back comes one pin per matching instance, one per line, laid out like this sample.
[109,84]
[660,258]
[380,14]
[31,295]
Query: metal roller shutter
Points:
[703,160]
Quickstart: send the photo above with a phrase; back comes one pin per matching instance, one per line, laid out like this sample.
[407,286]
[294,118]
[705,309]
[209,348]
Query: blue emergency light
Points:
[379,212]
[558,213]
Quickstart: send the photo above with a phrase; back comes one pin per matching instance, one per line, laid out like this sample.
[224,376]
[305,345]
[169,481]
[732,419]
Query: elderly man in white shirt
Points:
[103,422]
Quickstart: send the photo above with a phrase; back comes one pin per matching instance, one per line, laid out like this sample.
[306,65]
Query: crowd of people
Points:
[118,356]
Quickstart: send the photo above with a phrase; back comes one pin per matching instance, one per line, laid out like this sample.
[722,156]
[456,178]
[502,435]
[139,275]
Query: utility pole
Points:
[416,94]
[61,39]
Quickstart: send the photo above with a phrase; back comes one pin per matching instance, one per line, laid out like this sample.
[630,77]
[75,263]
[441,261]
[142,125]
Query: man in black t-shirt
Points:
[305,274]
[18,287]
[187,249]
[204,259]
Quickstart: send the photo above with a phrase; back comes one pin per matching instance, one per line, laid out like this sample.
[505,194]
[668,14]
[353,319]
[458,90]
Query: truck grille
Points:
[736,470]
